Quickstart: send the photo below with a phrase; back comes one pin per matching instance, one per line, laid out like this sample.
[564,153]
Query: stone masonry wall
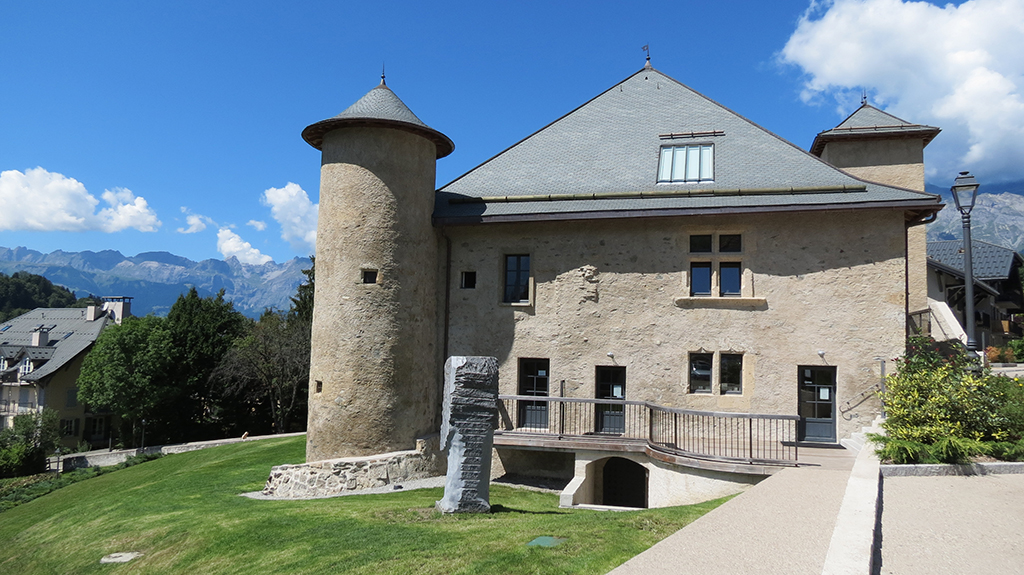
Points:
[334,476]
[615,292]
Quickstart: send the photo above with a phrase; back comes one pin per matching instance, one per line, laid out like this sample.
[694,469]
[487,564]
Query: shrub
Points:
[956,449]
[1010,412]
[1000,354]
[901,451]
[1017,346]
[1006,450]
[926,405]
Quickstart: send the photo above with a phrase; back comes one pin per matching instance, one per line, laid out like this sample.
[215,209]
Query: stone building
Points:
[649,248]
[41,354]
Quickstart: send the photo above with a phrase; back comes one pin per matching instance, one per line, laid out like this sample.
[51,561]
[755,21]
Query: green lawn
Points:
[184,513]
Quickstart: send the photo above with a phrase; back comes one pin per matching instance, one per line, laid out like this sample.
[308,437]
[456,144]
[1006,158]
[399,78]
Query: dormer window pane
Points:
[679,165]
[687,164]
[665,169]
[692,164]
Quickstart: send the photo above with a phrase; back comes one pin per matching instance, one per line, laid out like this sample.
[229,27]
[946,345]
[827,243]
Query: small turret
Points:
[374,367]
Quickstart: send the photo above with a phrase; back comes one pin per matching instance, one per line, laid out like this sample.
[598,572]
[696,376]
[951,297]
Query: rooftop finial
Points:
[863,97]
[647,48]
[382,82]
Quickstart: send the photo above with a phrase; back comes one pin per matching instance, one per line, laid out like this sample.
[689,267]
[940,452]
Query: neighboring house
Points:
[997,291]
[41,354]
[648,269]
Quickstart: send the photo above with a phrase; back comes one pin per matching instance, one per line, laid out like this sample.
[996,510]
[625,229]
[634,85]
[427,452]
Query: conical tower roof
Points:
[379,107]
[868,122]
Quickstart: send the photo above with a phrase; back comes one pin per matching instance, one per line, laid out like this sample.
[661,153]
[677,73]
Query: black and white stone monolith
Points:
[467,432]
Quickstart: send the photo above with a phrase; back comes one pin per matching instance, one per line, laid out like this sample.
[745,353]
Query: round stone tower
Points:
[374,367]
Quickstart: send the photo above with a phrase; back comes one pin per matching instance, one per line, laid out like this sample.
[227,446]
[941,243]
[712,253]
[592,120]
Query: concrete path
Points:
[782,525]
[953,524]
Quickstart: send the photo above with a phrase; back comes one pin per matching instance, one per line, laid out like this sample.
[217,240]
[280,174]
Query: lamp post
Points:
[965,192]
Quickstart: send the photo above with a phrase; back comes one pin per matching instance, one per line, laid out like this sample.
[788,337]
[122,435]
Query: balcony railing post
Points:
[750,438]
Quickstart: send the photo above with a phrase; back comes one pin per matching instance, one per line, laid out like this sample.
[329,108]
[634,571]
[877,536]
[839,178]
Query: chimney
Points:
[118,306]
[40,336]
[92,313]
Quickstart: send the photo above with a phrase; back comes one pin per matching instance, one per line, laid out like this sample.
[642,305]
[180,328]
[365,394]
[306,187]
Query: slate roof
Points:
[991,262]
[379,107]
[601,160]
[70,334]
[869,122]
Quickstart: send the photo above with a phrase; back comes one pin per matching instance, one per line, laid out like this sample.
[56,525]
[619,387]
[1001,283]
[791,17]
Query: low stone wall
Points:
[334,476]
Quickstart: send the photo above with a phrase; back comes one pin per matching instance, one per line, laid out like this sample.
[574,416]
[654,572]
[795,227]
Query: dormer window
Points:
[694,163]
[25,367]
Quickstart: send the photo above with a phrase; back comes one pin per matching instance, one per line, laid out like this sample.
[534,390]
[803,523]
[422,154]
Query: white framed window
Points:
[695,163]
[25,367]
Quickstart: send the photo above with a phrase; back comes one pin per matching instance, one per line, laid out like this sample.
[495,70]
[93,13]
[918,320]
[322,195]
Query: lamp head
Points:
[965,192]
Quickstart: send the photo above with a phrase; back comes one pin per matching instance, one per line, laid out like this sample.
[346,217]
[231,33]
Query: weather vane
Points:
[647,48]
[382,82]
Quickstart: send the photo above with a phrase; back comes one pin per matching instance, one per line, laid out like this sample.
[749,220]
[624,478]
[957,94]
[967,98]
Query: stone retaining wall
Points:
[334,476]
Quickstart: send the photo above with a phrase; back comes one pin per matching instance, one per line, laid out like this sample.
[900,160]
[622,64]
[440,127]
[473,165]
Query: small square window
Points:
[369,276]
[729,278]
[700,244]
[700,278]
[468,280]
[730,243]
[731,373]
[319,386]
[700,372]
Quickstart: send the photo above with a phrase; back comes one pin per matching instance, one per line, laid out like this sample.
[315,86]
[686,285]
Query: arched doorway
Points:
[624,483]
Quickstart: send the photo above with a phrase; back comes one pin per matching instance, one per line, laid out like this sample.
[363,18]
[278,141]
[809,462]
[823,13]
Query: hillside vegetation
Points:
[22,292]
[184,513]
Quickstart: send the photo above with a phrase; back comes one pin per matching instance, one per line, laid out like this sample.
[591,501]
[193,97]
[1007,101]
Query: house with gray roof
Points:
[41,354]
[652,270]
[998,294]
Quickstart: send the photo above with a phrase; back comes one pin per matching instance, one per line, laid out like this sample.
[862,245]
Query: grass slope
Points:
[184,513]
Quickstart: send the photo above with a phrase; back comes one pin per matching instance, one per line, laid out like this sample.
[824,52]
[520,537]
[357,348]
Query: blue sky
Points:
[143,126]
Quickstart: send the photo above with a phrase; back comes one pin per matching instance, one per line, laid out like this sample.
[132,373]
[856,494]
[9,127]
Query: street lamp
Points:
[965,192]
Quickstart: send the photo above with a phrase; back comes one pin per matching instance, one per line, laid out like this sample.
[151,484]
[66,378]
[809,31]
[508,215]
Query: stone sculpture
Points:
[467,432]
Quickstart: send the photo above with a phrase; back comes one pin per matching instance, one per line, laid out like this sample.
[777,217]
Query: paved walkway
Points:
[954,524]
[783,525]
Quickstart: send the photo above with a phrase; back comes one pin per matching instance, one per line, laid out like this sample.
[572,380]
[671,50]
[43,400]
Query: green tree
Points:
[269,370]
[22,292]
[127,372]
[25,446]
[302,301]
[202,330]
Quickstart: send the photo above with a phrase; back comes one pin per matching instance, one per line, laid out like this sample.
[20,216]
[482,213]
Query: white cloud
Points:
[47,201]
[290,206]
[960,68]
[231,244]
[260,226]
[196,222]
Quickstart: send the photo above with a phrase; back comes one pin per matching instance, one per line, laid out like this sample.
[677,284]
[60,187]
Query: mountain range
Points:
[997,217]
[155,279]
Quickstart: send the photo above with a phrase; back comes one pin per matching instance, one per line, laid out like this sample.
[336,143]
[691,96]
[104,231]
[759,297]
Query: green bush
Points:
[901,451]
[1006,450]
[926,405]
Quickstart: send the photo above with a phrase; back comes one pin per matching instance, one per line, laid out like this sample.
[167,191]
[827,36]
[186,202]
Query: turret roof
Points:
[379,107]
[868,122]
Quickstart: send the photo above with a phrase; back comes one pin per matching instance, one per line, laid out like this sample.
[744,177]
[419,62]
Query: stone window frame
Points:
[715,376]
[503,271]
[467,279]
[715,258]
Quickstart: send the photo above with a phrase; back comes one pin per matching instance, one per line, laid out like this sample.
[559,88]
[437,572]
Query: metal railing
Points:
[9,406]
[719,436]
